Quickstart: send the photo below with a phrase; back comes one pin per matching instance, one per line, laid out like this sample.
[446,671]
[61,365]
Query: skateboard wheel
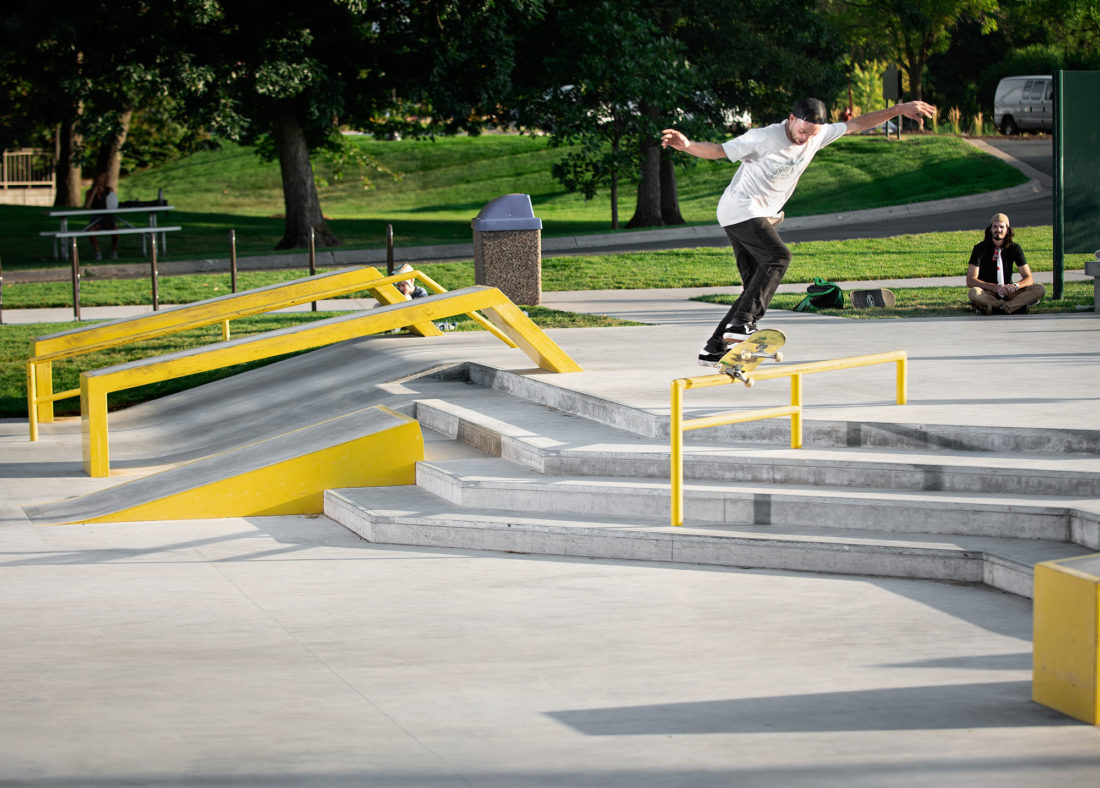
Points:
[778,357]
[749,383]
[746,355]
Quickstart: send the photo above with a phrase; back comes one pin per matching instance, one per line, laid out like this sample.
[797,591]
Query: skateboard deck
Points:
[872,298]
[741,359]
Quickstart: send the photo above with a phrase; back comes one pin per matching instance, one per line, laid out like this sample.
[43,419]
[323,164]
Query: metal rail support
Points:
[678,424]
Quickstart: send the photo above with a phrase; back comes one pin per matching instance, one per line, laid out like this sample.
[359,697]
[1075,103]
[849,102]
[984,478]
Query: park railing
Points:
[223,309]
[795,372]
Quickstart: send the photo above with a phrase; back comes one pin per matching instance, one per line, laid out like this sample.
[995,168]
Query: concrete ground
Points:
[286,651]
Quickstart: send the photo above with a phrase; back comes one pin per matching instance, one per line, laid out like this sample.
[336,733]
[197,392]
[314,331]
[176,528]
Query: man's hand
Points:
[671,138]
[677,140]
[917,109]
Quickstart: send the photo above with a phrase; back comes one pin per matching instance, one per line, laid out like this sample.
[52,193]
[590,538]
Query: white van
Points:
[1024,104]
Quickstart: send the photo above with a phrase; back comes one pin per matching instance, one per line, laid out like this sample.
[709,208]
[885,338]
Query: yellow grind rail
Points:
[679,424]
[95,385]
[101,336]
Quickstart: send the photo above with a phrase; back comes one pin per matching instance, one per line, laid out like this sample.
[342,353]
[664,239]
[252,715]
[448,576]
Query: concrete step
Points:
[475,484]
[900,436]
[413,516]
[549,440]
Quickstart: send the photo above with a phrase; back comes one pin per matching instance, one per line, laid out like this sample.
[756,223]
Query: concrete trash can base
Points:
[508,248]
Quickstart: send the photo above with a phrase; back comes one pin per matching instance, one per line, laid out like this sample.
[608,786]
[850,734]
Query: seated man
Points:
[101,195]
[989,275]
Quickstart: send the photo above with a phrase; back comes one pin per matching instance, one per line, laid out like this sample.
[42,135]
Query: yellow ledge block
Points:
[285,474]
[1066,662]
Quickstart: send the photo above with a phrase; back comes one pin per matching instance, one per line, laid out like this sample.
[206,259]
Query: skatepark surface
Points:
[280,651]
[287,651]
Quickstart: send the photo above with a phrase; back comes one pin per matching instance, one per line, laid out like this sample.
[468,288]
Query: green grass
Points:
[899,257]
[913,302]
[446,182]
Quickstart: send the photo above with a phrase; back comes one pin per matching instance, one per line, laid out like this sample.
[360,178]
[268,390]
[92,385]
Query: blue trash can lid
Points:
[510,212]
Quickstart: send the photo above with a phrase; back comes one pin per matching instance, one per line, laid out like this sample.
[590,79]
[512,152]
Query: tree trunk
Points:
[67,171]
[670,197]
[303,208]
[109,158]
[647,210]
[614,201]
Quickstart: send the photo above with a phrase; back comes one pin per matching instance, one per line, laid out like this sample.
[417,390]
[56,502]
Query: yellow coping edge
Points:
[295,486]
[1066,639]
[95,385]
[128,330]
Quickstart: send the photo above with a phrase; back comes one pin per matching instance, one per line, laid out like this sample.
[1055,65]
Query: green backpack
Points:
[822,294]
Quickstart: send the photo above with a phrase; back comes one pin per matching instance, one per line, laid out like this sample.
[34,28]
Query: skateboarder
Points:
[772,160]
[989,275]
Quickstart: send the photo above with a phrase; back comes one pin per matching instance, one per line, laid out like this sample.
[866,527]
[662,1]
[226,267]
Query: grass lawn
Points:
[444,183]
[899,257]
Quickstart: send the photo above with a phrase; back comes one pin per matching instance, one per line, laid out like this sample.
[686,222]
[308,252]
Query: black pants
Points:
[762,260]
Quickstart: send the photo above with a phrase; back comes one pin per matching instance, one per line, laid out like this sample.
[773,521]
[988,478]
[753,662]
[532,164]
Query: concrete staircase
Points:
[537,468]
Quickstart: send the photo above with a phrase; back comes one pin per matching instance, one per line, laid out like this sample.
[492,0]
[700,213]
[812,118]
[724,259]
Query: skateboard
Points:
[744,357]
[871,298]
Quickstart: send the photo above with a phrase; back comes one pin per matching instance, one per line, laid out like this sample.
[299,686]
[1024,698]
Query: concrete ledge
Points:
[411,516]
[1066,670]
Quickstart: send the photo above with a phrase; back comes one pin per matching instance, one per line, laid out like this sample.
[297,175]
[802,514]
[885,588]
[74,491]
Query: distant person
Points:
[100,195]
[408,287]
[989,275]
[772,158]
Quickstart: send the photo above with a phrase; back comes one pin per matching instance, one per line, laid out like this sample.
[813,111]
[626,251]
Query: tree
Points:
[908,31]
[631,68]
[77,70]
[607,98]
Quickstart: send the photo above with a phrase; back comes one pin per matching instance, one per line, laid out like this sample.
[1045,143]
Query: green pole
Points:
[1059,196]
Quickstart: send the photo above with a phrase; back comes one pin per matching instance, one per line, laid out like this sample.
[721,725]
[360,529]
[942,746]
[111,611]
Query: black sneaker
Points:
[711,353]
[738,333]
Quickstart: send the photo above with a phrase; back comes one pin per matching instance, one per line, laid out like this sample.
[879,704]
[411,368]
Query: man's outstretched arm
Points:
[671,138]
[910,109]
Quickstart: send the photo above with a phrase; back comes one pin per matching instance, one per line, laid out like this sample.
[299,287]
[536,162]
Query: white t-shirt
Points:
[770,168]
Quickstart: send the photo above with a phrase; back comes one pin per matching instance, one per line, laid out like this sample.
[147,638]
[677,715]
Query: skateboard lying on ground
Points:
[869,298]
[744,357]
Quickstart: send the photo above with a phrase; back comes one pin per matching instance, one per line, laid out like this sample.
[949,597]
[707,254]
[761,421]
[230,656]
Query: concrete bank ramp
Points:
[280,475]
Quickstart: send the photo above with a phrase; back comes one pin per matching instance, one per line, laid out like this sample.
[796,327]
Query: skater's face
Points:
[998,231]
[798,130]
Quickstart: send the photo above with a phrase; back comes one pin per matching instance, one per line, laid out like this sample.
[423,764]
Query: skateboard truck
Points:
[746,356]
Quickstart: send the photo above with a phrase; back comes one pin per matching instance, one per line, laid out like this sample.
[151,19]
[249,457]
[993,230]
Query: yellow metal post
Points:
[903,379]
[676,453]
[43,381]
[93,427]
[796,417]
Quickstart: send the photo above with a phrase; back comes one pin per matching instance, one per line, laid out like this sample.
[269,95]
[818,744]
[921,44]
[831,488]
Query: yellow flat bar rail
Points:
[222,309]
[95,385]
[678,424]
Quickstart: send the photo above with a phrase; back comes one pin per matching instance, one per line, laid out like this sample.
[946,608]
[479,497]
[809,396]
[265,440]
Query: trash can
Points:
[508,248]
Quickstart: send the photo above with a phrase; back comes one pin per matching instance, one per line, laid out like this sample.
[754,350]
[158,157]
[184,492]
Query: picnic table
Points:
[64,232]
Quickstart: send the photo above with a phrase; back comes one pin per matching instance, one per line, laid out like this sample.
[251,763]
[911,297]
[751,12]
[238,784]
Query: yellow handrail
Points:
[678,425]
[222,309]
[95,385]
